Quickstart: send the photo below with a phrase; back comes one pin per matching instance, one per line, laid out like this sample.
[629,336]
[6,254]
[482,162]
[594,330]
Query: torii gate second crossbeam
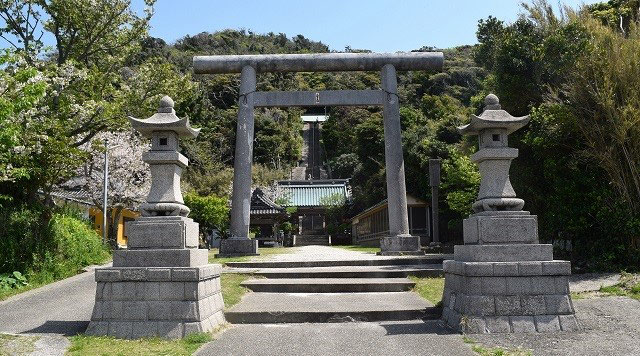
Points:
[399,240]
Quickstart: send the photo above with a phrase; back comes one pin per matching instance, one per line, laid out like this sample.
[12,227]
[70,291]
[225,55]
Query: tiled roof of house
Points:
[261,205]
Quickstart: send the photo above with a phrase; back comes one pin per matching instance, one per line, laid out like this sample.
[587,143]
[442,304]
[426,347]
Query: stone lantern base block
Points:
[400,245]
[161,257]
[501,229]
[166,302]
[162,232]
[238,247]
[508,297]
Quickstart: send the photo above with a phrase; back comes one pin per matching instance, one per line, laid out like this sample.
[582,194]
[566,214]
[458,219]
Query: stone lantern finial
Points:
[166,105]
[491,102]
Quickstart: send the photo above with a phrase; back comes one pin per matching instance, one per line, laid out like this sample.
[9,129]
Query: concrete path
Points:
[610,326]
[60,308]
[381,338]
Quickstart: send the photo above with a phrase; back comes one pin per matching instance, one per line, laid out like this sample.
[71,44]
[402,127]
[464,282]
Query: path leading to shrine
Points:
[325,284]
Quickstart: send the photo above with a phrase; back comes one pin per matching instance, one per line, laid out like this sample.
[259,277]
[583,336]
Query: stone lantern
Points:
[502,279]
[162,284]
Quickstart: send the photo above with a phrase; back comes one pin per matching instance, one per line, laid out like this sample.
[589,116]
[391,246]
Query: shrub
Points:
[13,280]
[74,245]
[209,211]
[46,245]
[23,235]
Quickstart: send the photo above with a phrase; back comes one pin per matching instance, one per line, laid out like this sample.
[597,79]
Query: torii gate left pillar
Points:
[399,240]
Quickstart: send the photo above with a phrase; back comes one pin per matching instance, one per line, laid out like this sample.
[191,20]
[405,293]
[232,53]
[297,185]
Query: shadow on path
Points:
[60,327]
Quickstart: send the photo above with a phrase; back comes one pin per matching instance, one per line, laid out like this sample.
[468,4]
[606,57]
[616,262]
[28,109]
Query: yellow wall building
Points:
[95,215]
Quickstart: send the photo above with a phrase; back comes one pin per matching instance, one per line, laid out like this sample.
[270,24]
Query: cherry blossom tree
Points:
[129,177]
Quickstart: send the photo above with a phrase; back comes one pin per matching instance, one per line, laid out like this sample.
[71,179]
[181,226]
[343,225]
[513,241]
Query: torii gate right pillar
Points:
[399,240]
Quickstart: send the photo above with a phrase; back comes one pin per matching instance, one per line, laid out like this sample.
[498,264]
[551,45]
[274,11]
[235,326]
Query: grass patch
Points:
[232,291]
[494,351]
[264,252]
[103,345]
[368,249]
[17,345]
[629,286]
[8,293]
[429,288]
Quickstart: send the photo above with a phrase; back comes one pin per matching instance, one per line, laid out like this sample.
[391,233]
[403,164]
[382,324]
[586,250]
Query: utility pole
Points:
[434,182]
[105,182]
[105,187]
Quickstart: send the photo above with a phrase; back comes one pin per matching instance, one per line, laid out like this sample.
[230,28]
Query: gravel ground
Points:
[592,281]
[610,326]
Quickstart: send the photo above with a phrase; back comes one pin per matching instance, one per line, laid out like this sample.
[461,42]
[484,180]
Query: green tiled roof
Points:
[312,192]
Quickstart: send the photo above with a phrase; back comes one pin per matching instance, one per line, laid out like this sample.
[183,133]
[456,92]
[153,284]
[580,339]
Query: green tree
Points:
[208,211]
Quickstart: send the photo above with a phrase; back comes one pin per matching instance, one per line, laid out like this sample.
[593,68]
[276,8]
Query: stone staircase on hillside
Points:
[334,291]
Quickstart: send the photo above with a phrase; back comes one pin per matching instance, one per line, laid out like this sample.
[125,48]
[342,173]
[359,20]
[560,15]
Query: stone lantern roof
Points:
[493,117]
[164,120]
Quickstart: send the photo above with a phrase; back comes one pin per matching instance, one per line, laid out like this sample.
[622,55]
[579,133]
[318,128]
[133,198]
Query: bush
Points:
[74,245]
[46,246]
[23,235]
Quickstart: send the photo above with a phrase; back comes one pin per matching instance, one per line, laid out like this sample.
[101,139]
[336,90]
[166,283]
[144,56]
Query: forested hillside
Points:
[577,73]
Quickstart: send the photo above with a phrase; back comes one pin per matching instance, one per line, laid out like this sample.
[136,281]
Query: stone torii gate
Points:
[399,240]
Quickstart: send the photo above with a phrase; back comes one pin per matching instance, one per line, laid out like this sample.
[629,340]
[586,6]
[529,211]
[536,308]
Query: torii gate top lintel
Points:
[318,62]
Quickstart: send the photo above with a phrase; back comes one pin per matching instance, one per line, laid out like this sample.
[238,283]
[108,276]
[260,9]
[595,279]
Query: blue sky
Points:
[378,25]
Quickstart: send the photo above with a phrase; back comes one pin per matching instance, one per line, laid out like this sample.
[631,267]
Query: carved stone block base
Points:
[400,245]
[501,229]
[508,297]
[238,247]
[156,302]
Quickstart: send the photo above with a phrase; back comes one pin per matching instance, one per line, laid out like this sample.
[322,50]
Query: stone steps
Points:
[363,288]
[310,240]
[434,270]
[270,308]
[329,285]
[394,261]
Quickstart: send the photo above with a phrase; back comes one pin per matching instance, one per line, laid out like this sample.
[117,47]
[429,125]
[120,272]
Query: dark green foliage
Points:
[619,14]
[47,252]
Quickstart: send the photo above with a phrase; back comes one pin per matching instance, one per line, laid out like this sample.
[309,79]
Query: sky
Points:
[377,25]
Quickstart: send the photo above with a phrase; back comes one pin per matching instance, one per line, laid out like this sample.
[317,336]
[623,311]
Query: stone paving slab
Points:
[416,337]
[328,253]
[329,302]
[389,261]
[325,285]
[330,307]
[610,326]
[430,270]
